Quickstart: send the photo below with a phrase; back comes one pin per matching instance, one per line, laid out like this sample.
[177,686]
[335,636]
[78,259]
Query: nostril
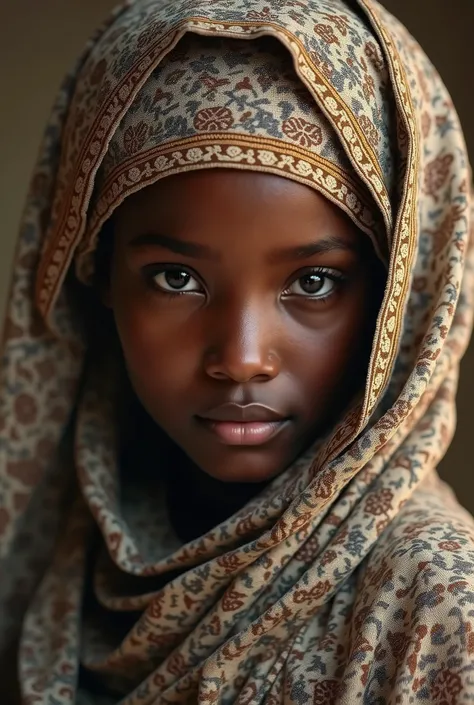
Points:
[241,361]
[241,373]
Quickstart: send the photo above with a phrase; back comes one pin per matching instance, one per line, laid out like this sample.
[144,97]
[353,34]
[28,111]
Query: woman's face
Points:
[244,304]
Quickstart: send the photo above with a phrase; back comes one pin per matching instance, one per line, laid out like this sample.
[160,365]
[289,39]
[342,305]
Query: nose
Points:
[243,346]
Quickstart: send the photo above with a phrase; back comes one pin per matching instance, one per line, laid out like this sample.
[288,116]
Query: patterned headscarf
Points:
[219,102]
[351,577]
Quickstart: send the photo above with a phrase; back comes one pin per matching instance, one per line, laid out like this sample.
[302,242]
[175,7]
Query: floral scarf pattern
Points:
[351,578]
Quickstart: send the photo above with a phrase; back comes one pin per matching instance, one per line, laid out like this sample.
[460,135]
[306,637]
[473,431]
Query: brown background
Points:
[40,39]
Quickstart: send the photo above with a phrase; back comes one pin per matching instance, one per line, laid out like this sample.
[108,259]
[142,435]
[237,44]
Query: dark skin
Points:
[243,287]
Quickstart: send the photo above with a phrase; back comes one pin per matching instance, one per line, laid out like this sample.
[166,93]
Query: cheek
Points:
[155,348]
[338,347]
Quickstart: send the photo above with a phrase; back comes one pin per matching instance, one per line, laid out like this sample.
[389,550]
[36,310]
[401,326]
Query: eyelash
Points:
[152,271]
[327,273]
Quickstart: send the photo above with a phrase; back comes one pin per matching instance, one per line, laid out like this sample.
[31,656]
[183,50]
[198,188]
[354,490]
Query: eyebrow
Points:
[180,247]
[328,244]
[196,251]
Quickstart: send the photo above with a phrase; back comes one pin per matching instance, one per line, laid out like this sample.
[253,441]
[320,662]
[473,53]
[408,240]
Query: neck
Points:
[198,502]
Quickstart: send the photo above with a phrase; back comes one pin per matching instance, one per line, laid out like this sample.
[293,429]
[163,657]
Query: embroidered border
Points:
[403,251]
[404,243]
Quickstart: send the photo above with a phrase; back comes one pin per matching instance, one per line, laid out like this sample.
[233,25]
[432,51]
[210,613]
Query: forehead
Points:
[237,203]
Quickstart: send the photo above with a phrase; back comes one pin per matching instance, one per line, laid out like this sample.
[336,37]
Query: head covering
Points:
[350,578]
[221,103]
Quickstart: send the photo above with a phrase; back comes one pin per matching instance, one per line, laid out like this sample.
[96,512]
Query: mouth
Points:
[250,425]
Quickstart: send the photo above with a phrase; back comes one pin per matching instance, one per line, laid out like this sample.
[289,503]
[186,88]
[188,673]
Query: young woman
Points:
[241,293]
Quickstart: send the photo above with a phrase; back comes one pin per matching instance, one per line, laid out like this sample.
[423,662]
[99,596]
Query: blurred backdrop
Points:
[40,39]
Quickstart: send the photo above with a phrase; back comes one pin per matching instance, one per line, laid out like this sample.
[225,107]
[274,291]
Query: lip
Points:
[238,413]
[246,433]
[249,425]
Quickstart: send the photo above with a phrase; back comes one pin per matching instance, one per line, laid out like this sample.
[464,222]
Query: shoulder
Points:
[430,545]
[415,600]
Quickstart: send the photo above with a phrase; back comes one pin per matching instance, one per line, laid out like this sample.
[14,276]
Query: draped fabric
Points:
[351,577]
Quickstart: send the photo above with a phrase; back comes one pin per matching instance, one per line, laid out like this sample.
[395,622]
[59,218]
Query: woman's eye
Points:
[175,281]
[316,285]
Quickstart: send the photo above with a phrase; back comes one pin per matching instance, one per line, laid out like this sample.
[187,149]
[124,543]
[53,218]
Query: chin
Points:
[241,470]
